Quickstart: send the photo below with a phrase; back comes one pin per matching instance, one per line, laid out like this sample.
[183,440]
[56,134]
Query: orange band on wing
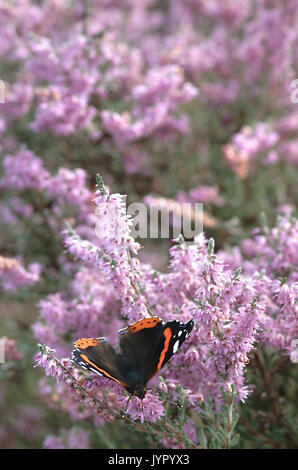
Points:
[84,343]
[85,358]
[144,323]
[167,334]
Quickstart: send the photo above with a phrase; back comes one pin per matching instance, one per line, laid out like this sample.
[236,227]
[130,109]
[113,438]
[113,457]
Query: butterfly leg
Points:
[129,398]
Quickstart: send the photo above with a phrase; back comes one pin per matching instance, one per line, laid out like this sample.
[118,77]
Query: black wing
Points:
[150,343]
[173,335]
[137,343]
[99,356]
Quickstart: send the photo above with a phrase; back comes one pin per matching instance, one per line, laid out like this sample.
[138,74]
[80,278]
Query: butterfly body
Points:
[144,348]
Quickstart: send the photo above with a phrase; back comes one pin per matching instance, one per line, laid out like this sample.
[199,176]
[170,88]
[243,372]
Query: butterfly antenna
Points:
[143,411]
[179,405]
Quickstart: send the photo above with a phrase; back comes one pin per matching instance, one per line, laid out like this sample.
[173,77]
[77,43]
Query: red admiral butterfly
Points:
[145,347]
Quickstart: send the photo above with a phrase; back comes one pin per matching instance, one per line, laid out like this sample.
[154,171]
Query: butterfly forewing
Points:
[173,336]
[138,343]
[99,356]
[150,343]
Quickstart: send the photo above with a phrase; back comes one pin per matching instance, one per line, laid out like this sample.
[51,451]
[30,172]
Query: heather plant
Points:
[234,312]
[173,102]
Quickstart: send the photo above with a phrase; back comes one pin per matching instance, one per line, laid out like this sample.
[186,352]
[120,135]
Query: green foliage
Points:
[218,428]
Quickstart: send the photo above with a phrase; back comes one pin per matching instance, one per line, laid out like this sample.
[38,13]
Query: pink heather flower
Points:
[285,209]
[28,419]
[288,151]
[18,100]
[82,313]
[149,409]
[23,170]
[249,145]
[156,99]
[271,158]
[166,83]
[50,365]
[69,187]
[70,439]
[136,161]
[206,194]
[81,249]
[53,442]
[20,207]
[125,129]
[2,126]
[268,262]
[113,232]
[288,124]
[113,224]
[11,352]
[119,126]
[163,386]
[13,275]
[219,93]
[64,117]
[47,334]
[73,75]
[74,393]
[78,439]
[59,398]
